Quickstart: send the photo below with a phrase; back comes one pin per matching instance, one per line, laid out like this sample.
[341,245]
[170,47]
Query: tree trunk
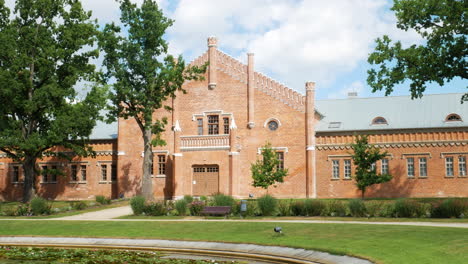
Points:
[147,181]
[362,193]
[29,165]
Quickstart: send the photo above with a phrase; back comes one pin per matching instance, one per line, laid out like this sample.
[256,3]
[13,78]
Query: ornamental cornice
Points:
[397,145]
[71,153]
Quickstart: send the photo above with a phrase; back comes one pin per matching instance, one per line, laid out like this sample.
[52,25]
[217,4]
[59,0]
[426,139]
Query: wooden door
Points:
[205,180]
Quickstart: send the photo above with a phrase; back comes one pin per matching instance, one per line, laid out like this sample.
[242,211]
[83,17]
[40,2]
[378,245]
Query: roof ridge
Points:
[267,85]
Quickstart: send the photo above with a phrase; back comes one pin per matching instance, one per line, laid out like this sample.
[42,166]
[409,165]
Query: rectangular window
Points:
[226,125]
[161,164]
[280,156]
[16,174]
[410,167]
[104,172]
[74,173]
[422,167]
[54,174]
[213,125]
[384,166]
[462,166]
[200,126]
[83,172]
[114,172]
[449,166]
[336,169]
[347,169]
[44,174]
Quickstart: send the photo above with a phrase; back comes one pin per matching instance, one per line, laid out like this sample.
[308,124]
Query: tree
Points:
[267,171]
[45,52]
[145,75]
[364,156]
[442,56]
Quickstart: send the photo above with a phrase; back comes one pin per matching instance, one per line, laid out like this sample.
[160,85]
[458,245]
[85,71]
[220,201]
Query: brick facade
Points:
[244,102]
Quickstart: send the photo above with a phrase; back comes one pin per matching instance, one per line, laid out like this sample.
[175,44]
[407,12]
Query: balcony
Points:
[204,142]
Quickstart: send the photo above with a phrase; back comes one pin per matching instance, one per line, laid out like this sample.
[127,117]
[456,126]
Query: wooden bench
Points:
[216,210]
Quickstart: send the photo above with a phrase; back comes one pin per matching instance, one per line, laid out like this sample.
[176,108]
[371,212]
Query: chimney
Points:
[352,94]
[212,45]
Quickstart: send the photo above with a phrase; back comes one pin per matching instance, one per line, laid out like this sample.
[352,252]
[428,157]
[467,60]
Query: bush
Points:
[155,209]
[138,204]
[313,207]
[222,200]
[357,208]
[78,205]
[387,210]
[298,208]
[408,208]
[373,208]
[334,208]
[22,210]
[284,207]
[102,200]
[196,207]
[267,205]
[39,206]
[188,198]
[450,208]
[181,207]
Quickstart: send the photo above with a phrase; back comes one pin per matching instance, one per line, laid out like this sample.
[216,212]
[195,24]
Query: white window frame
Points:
[422,167]
[384,166]
[410,167]
[335,169]
[462,166]
[449,166]
[347,168]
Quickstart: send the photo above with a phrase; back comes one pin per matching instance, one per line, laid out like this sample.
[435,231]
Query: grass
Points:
[61,204]
[313,218]
[382,244]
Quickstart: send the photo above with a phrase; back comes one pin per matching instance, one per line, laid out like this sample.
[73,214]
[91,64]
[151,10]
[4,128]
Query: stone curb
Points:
[268,253]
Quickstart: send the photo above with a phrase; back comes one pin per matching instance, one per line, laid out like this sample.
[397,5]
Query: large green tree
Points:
[364,157]
[144,75]
[441,57]
[267,171]
[45,50]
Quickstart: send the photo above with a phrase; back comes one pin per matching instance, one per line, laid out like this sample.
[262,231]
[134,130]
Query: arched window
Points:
[379,121]
[453,117]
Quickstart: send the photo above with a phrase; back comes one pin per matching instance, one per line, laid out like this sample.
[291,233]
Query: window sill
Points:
[463,176]
[335,179]
[347,179]
[411,177]
[158,176]
[54,182]
[422,177]
[449,177]
[104,182]
[78,182]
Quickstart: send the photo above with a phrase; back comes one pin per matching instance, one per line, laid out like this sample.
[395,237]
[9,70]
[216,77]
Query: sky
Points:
[294,41]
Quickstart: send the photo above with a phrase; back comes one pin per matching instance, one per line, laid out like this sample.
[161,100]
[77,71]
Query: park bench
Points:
[216,210]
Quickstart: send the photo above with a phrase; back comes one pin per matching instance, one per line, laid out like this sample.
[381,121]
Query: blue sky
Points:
[294,41]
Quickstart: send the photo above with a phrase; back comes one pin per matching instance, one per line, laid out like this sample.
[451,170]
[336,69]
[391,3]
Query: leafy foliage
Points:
[39,206]
[441,57]
[137,204]
[357,208]
[266,172]
[364,156]
[101,199]
[145,76]
[181,207]
[45,53]
[267,205]
[220,199]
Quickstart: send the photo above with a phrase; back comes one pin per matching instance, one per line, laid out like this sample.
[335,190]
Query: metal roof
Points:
[104,131]
[400,112]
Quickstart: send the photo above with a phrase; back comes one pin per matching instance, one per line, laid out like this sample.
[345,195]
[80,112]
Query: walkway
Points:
[110,214]
[266,253]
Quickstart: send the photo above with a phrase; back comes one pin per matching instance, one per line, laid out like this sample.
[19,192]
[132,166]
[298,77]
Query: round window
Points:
[272,125]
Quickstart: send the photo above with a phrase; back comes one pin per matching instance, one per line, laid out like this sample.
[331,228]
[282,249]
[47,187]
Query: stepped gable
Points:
[267,85]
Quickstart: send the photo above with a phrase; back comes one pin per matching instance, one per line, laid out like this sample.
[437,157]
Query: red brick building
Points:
[221,123]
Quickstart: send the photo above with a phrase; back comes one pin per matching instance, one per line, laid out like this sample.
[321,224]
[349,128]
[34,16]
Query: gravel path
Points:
[105,214]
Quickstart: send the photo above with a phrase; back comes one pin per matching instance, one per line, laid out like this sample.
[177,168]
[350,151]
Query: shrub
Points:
[138,204]
[22,210]
[313,207]
[267,205]
[181,207]
[188,198]
[373,208]
[78,205]
[102,200]
[203,198]
[298,208]
[450,208]
[334,208]
[39,206]
[155,209]
[387,210]
[196,207]
[222,200]
[284,207]
[357,208]
[408,208]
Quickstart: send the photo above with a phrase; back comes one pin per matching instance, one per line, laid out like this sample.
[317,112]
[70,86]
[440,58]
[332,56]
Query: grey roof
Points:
[104,131]
[401,112]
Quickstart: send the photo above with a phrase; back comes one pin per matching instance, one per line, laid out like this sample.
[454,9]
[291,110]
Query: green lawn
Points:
[382,244]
